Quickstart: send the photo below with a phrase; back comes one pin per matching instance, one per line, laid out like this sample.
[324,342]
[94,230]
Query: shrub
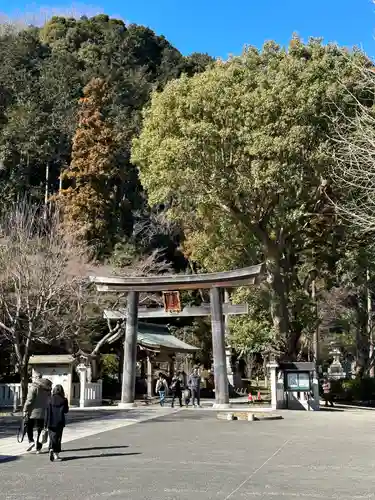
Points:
[357,389]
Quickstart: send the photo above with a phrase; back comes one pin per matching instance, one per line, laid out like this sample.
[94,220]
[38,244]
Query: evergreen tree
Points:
[88,200]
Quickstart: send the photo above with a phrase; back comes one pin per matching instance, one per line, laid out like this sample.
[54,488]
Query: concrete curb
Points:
[246,416]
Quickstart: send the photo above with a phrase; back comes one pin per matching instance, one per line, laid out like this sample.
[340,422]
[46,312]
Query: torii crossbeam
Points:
[215,282]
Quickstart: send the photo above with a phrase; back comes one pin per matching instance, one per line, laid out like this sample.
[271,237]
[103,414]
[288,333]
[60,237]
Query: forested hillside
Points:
[53,80]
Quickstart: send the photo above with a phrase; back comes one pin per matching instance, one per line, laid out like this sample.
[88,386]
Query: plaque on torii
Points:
[171,301]
[218,308]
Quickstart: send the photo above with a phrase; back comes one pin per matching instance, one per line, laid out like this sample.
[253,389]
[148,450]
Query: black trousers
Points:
[196,395]
[37,423]
[55,436]
[176,394]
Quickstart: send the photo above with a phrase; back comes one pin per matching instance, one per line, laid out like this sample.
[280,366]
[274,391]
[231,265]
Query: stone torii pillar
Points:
[130,352]
[218,348]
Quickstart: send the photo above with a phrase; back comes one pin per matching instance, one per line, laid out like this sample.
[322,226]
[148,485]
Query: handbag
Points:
[44,436]
[22,430]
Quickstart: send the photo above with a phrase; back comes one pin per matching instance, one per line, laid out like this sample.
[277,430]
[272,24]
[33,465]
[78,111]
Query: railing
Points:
[93,393]
[10,394]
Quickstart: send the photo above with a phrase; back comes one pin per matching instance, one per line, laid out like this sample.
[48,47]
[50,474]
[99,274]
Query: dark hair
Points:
[160,374]
[58,390]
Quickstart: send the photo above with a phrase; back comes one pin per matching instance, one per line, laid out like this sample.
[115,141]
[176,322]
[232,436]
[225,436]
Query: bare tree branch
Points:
[354,164]
[41,292]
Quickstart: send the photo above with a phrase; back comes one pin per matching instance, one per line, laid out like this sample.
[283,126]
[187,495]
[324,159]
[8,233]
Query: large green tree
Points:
[239,155]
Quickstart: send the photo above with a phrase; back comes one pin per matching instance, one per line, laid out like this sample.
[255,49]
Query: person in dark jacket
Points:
[176,389]
[55,421]
[35,409]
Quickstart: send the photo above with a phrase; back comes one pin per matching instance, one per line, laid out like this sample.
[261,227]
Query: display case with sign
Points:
[297,381]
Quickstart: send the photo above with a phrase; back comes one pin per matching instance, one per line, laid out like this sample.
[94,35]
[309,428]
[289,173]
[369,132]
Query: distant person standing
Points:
[35,409]
[161,388]
[327,392]
[194,384]
[176,389]
[55,421]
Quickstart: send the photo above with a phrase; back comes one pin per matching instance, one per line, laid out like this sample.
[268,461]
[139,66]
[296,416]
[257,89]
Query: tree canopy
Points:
[238,155]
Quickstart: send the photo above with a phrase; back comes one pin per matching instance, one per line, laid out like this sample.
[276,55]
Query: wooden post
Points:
[218,347]
[130,352]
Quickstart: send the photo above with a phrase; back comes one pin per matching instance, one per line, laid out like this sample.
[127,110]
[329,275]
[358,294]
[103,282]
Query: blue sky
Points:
[223,27]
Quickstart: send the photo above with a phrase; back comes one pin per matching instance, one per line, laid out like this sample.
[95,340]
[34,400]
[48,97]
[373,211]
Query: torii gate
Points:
[215,282]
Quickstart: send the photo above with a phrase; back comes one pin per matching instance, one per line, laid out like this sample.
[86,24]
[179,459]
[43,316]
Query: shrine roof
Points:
[158,337]
[52,359]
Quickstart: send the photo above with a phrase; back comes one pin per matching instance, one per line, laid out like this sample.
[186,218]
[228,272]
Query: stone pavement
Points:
[80,424]
[10,424]
[192,455]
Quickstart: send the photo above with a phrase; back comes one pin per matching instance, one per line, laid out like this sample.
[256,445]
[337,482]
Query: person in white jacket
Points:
[161,388]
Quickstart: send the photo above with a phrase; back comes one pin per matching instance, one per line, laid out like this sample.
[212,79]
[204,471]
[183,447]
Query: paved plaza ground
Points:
[192,455]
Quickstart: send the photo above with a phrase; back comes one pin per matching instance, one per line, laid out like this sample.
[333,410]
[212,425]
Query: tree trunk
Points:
[369,325]
[250,359]
[279,307]
[24,375]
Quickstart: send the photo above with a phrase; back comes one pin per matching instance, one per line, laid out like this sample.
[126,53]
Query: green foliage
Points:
[249,140]
[252,333]
[357,389]
[109,365]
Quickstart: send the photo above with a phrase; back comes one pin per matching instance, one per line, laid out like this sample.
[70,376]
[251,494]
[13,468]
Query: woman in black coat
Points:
[55,421]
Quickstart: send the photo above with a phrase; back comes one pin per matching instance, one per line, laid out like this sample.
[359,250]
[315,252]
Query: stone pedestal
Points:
[315,405]
[228,357]
[126,406]
[82,370]
[149,377]
[273,366]
[335,370]
[221,406]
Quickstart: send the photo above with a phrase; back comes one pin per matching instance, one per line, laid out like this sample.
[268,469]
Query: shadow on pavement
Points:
[331,408]
[103,455]
[96,448]
[4,459]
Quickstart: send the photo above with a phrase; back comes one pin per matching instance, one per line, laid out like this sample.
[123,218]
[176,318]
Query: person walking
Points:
[176,389]
[161,388]
[55,421]
[35,408]
[327,394]
[194,384]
